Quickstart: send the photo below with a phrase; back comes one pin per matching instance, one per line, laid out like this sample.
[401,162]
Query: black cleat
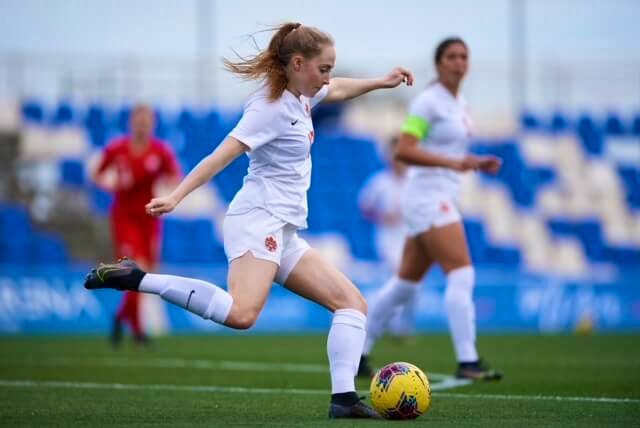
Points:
[122,275]
[478,370]
[358,410]
[364,368]
[143,340]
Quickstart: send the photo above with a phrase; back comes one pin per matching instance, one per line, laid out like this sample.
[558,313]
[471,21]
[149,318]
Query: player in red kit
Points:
[139,161]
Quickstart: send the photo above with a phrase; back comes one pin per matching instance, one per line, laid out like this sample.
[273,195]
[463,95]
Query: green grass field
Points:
[282,381]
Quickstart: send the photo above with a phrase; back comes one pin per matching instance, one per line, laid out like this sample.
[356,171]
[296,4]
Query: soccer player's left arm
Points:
[171,168]
[344,88]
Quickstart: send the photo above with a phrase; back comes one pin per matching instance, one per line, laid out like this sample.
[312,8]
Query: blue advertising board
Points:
[53,300]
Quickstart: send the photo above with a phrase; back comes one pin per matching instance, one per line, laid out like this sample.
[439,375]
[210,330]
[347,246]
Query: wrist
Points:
[454,164]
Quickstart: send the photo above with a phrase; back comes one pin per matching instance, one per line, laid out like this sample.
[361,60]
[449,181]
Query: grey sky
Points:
[371,35]
[402,28]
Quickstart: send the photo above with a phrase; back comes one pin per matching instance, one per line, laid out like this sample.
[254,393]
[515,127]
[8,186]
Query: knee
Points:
[241,319]
[354,300]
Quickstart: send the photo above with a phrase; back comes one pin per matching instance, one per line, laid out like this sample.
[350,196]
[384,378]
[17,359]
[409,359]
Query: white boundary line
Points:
[448,381]
[231,389]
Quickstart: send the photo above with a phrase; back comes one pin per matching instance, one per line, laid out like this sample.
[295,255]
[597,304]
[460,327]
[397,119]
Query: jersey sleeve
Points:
[420,117]
[321,95]
[106,158]
[258,124]
[169,161]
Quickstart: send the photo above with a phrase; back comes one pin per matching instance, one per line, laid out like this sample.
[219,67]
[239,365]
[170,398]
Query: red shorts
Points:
[137,238]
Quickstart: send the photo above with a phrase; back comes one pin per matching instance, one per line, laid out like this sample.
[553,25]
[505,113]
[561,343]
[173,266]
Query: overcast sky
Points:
[369,34]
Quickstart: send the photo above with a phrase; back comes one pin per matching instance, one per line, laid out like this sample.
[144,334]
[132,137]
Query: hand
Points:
[397,76]
[468,163]
[490,164]
[159,206]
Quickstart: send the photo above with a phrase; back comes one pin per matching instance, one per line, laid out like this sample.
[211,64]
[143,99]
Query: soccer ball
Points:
[400,391]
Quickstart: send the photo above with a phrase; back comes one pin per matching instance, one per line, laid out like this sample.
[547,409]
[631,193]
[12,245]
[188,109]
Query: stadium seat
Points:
[64,114]
[46,249]
[613,125]
[591,135]
[529,121]
[72,173]
[32,111]
[635,126]
[631,180]
[559,122]
[190,241]
[96,123]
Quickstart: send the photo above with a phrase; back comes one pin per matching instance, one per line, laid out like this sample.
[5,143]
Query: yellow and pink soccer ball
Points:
[400,391]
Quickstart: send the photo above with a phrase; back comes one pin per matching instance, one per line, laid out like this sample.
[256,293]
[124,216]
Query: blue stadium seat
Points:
[588,232]
[631,180]
[121,120]
[100,200]
[635,126]
[72,173]
[591,135]
[230,179]
[32,111]
[559,122]
[47,248]
[64,114]
[96,123]
[16,232]
[190,241]
[529,121]
[613,125]
[523,182]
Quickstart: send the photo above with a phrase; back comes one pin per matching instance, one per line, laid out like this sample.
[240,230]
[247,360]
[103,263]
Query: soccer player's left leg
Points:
[460,310]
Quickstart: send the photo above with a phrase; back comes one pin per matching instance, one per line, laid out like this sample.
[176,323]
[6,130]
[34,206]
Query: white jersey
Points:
[445,130]
[382,196]
[279,134]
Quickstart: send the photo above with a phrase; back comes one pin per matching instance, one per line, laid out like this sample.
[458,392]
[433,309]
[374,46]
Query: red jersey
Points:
[137,173]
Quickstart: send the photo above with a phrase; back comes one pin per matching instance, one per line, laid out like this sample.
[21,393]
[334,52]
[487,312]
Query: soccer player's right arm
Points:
[98,174]
[206,169]
[211,165]
[416,129]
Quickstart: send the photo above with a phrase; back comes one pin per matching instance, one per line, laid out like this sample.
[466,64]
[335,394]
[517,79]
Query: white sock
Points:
[200,297]
[344,347]
[384,304]
[461,313]
[403,320]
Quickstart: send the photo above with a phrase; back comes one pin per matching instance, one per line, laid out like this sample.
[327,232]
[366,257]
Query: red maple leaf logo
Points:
[270,243]
[444,207]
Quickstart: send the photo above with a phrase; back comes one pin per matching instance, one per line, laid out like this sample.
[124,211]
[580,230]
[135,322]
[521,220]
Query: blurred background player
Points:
[434,141]
[139,162]
[380,202]
[260,228]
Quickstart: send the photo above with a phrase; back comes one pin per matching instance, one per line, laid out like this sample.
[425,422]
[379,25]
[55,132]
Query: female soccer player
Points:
[260,228]
[434,142]
[380,202]
[139,161]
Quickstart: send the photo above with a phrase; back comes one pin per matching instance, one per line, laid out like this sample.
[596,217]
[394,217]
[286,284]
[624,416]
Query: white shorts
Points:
[267,237]
[438,211]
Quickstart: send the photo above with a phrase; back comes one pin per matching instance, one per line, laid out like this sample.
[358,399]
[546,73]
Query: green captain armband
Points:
[416,126]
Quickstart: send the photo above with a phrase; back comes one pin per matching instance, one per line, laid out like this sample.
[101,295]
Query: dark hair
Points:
[270,64]
[443,45]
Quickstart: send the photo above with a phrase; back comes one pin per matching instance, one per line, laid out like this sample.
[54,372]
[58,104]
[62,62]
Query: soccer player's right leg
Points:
[249,283]
[249,278]
[397,291]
